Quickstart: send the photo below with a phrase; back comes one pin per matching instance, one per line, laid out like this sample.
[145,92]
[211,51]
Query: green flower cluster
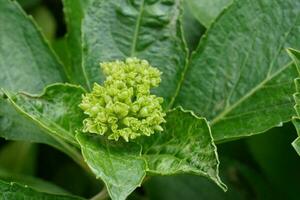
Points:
[123,106]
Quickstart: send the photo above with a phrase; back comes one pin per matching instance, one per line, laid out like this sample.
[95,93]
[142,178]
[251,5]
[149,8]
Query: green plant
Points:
[238,82]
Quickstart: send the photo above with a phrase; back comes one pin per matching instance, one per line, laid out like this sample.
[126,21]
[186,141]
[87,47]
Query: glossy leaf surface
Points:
[241,80]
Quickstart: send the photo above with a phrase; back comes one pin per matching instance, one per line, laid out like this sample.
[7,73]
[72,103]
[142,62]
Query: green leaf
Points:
[151,30]
[14,191]
[118,164]
[56,109]
[27,62]
[239,77]
[206,11]
[74,11]
[14,126]
[60,47]
[185,146]
[56,112]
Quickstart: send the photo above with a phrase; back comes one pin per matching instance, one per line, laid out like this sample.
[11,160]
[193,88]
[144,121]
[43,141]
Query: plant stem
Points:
[102,195]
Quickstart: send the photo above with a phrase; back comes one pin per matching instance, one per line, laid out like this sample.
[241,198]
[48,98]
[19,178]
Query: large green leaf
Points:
[56,109]
[185,146]
[239,77]
[116,29]
[14,126]
[74,11]
[206,11]
[55,112]
[27,64]
[118,164]
[14,191]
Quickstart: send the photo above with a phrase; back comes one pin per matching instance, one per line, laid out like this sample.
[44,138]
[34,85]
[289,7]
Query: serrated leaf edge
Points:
[290,51]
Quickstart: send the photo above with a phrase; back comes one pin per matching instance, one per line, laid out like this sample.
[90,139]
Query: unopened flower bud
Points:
[123,106]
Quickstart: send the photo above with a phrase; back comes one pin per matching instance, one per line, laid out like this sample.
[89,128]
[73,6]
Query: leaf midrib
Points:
[137,28]
[249,94]
[269,77]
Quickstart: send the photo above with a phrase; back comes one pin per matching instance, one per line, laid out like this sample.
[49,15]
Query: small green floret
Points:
[123,106]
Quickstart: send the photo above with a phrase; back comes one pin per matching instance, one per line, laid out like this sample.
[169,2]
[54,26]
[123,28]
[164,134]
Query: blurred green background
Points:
[261,167]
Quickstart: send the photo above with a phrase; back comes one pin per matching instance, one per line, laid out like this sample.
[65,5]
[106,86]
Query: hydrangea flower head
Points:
[123,106]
